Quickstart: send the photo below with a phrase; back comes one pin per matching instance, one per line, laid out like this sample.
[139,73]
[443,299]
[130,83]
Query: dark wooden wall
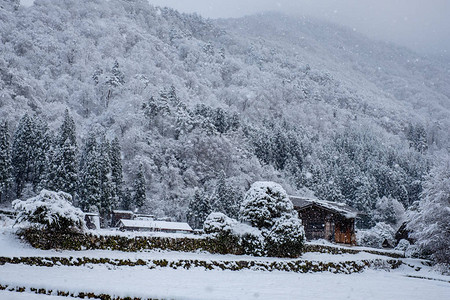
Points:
[321,223]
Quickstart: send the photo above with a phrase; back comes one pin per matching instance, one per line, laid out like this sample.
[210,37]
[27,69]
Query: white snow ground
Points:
[197,283]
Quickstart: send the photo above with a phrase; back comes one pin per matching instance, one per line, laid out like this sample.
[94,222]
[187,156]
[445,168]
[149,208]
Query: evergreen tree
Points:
[225,198]
[116,168]
[127,199]
[90,184]
[62,172]
[139,196]
[117,78]
[22,151]
[417,136]
[198,210]
[108,196]
[5,162]
[30,145]
[67,130]
[42,144]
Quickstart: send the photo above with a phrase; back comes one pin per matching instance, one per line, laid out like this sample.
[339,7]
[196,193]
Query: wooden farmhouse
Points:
[328,220]
[118,215]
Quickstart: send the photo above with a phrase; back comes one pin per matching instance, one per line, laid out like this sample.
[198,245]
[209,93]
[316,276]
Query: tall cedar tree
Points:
[198,210]
[90,187]
[225,198]
[126,199]
[5,162]
[139,188]
[116,168]
[62,172]
[30,145]
[108,197]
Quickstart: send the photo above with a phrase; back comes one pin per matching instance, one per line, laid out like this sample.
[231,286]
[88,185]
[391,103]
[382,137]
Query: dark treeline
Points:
[35,158]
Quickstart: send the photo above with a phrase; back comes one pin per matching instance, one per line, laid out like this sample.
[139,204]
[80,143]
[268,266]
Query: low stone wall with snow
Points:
[70,241]
[342,250]
[299,266]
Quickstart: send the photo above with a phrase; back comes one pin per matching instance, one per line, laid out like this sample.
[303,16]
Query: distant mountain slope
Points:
[204,103]
[387,77]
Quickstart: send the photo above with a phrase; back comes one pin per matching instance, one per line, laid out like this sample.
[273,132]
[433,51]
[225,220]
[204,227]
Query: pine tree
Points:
[22,151]
[5,162]
[30,145]
[225,198]
[127,200]
[62,172]
[198,210]
[116,167]
[67,130]
[117,78]
[139,188]
[90,185]
[108,197]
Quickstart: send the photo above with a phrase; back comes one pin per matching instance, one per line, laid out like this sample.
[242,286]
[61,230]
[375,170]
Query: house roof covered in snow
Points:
[156,225]
[117,211]
[340,208]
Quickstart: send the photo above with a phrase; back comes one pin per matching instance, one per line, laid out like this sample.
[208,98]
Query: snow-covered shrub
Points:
[263,203]
[402,245]
[285,238]
[218,223]
[251,239]
[231,234]
[220,229]
[50,211]
[376,236]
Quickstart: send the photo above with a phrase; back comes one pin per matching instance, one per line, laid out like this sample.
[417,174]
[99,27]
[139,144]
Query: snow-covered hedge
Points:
[375,236]
[50,211]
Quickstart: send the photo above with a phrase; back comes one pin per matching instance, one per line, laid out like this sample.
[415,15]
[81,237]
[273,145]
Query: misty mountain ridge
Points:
[313,106]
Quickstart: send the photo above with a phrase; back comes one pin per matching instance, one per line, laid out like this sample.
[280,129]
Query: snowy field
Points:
[198,283]
[201,284]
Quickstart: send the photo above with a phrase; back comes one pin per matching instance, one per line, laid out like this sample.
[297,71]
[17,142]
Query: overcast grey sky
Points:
[423,25]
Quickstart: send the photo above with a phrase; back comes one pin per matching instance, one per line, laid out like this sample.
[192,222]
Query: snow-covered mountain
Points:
[218,104]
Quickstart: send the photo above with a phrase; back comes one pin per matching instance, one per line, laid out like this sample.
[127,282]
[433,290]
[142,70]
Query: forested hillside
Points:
[160,104]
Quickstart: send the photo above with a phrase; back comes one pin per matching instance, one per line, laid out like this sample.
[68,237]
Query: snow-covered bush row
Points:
[50,211]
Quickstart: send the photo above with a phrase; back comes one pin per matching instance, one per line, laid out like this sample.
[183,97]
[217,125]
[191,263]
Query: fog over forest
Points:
[423,26]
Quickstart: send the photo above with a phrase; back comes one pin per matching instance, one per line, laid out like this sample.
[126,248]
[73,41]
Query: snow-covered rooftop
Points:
[341,208]
[156,225]
[117,211]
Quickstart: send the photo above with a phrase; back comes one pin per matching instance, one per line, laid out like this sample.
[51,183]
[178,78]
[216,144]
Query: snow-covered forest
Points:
[126,105]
